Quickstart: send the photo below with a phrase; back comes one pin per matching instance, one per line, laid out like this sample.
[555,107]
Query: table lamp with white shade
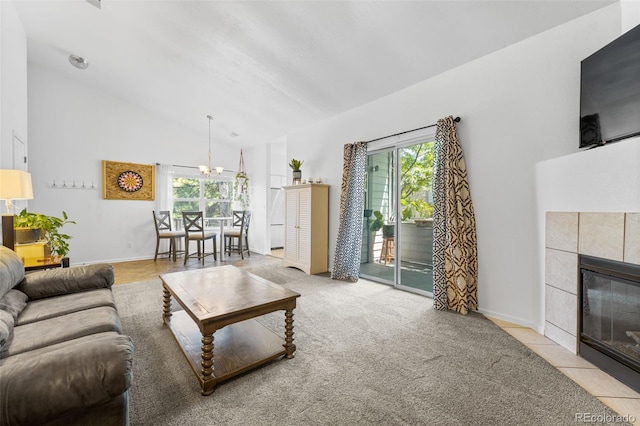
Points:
[14,185]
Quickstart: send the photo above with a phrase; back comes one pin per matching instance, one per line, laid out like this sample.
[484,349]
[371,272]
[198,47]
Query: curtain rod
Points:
[191,167]
[178,165]
[457,120]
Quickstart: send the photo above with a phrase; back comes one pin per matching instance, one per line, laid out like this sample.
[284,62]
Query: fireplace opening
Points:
[609,317]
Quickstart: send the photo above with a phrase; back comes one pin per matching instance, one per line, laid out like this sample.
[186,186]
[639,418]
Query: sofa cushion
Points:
[42,309]
[13,302]
[55,282]
[11,270]
[59,329]
[6,326]
[65,378]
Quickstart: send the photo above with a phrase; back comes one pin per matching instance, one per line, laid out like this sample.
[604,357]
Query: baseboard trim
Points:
[514,320]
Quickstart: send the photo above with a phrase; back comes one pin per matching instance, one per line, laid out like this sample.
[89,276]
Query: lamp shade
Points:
[15,185]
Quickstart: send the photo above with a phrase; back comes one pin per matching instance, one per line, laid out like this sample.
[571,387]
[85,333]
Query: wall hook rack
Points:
[73,184]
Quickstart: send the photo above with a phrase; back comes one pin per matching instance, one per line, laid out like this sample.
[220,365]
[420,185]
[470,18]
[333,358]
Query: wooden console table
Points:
[46,262]
[223,301]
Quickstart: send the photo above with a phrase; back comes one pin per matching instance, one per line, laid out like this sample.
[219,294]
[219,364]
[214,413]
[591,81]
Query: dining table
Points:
[222,220]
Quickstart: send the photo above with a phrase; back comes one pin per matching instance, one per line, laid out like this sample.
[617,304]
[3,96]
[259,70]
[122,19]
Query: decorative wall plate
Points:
[130,181]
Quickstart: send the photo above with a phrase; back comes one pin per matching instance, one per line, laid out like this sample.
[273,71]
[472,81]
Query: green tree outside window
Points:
[416,177]
[211,196]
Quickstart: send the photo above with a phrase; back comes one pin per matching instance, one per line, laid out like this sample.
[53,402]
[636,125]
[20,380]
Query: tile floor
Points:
[616,395]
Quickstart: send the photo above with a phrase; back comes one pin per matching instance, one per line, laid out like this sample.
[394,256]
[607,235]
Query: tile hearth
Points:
[614,394]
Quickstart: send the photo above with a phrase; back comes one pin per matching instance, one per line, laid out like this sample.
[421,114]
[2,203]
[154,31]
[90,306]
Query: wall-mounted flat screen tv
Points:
[610,92]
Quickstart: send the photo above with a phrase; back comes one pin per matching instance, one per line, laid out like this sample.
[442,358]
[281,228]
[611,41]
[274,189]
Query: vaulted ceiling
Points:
[263,68]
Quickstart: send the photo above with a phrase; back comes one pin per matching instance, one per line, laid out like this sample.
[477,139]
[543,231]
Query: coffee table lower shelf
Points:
[238,347]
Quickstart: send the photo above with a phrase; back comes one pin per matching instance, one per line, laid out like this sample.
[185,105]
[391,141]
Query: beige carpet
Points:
[367,355]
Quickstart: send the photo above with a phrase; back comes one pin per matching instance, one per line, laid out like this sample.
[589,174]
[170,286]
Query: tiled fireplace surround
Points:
[614,236]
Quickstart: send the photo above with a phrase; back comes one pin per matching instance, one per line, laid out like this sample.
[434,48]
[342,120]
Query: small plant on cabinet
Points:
[49,229]
[297,173]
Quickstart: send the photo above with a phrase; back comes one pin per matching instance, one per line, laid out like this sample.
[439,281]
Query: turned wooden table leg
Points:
[166,304]
[288,333]
[207,364]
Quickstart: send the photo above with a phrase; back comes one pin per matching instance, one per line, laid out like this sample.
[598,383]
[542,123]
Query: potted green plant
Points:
[26,234]
[297,173]
[388,230]
[241,190]
[376,224]
[49,227]
[241,185]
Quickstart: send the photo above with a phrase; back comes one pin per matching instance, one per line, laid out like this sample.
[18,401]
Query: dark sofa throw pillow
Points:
[13,302]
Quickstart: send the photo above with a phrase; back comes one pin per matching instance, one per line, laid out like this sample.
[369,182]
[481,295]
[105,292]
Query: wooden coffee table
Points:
[225,300]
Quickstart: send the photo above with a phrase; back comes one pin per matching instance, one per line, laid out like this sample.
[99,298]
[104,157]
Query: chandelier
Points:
[206,170]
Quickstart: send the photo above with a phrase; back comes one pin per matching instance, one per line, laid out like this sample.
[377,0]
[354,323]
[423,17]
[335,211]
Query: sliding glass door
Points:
[398,234]
[416,216]
[378,246]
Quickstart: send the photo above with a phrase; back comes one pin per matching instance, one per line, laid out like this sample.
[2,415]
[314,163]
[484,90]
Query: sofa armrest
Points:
[55,282]
[38,388]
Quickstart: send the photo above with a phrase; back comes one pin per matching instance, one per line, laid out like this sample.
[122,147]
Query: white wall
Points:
[13,82]
[518,106]
[604,179]
[72,128]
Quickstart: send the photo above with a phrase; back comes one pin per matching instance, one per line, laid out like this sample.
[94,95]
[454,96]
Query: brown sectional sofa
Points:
[63,359]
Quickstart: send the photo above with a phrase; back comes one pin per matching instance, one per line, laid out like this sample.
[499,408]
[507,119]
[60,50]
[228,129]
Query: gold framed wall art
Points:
[128,181]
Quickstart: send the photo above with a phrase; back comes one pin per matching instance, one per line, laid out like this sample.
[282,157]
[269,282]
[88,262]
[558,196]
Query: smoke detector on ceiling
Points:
[78,62]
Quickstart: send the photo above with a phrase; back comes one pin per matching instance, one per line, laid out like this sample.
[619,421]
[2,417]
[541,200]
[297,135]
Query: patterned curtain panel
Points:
[455,252]
[346,262]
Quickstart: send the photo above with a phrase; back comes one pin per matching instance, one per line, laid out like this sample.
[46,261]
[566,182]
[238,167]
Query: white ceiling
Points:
[264,68]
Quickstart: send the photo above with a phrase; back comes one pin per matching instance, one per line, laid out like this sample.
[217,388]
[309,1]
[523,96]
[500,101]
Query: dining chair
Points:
[195,231]
[162,221]
[238,216]
[237,238]
[236,221]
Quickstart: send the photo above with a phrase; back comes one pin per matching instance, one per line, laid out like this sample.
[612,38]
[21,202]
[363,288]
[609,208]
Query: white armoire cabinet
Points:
[306,227]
